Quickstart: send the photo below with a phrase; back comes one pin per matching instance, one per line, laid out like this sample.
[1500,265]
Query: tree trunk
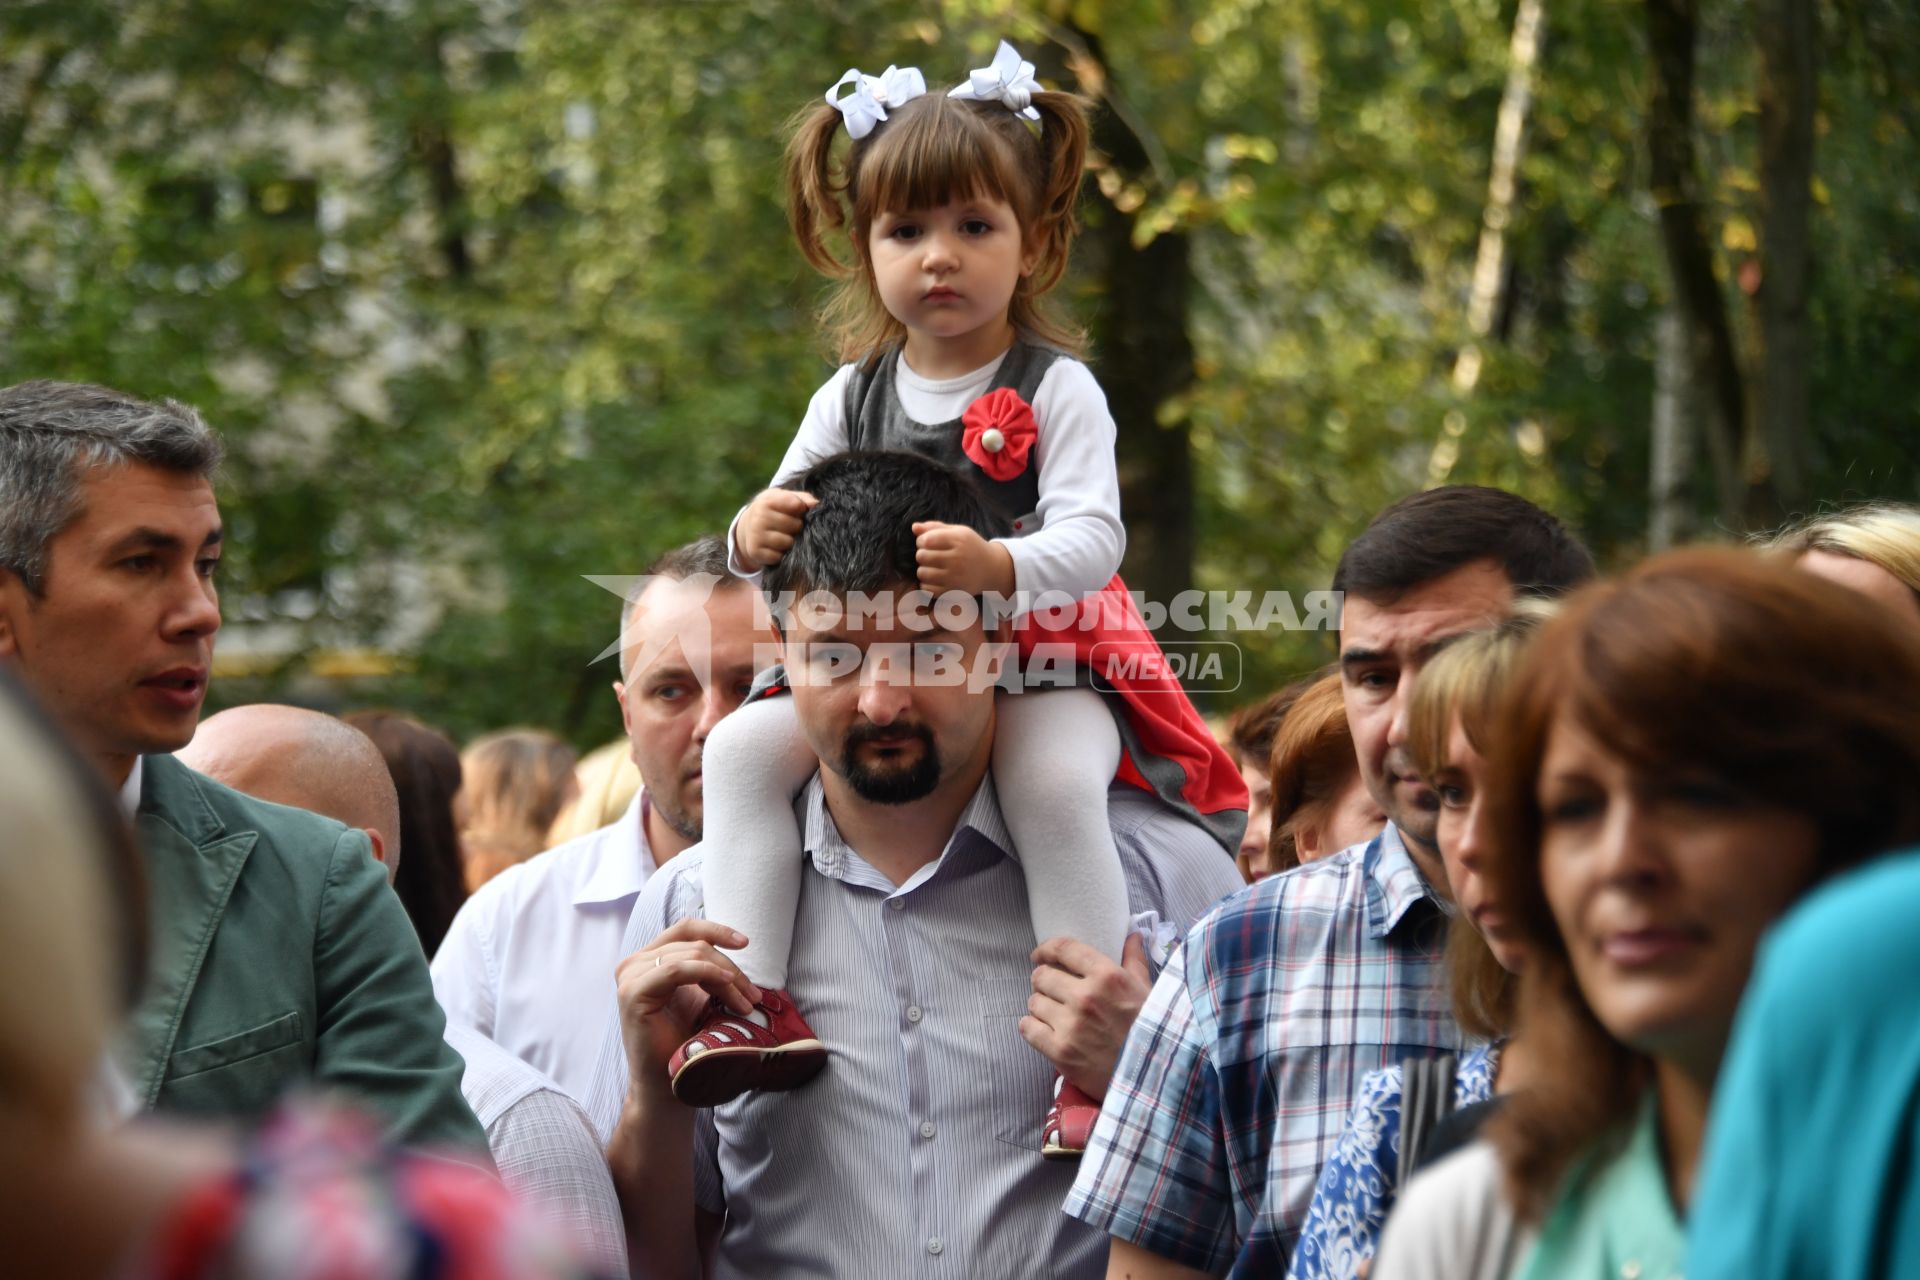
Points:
[1789,40]
[1509,133]
[1672,29]
[1670,508]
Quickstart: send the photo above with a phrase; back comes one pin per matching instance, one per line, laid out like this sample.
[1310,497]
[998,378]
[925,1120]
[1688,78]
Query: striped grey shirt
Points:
[917,1151]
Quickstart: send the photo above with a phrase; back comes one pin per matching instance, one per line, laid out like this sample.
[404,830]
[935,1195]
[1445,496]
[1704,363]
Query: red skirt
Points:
[1169,750]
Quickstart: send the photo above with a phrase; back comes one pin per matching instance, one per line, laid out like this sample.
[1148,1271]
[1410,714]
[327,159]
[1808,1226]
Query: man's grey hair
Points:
[52,432]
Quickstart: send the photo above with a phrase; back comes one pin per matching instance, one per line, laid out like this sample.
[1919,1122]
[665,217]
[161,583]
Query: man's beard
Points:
[682,815]
[890,783]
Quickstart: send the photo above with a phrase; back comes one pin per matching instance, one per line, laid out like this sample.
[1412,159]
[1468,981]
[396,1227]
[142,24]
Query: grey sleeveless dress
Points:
[876,420]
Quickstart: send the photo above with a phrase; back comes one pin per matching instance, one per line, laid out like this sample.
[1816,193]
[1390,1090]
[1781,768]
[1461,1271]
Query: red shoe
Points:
[1069,1124]
[728,1054]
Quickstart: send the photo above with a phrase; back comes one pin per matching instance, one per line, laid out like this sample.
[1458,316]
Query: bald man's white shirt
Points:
[529,960]
[130,789]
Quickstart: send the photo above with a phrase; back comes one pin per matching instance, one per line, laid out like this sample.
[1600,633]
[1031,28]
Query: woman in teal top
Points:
[1685,751]
[1813,1154]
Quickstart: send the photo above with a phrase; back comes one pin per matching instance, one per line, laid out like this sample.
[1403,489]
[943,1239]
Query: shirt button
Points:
[926,1129]
[913,1013]
[898,904]
[934,1246]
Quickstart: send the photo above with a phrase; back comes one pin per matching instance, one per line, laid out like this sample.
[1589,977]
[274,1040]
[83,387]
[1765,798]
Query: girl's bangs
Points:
[929,157]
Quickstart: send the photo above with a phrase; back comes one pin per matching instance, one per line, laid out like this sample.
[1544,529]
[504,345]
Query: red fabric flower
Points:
[999,432]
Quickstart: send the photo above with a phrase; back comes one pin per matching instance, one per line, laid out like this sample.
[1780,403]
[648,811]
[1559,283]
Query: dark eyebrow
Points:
[145,539]
[1362,657]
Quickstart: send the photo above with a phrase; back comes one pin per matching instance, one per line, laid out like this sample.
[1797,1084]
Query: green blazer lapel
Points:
[192,865]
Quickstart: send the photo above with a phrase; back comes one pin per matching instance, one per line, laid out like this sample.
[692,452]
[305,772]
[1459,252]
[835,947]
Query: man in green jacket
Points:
[280,955]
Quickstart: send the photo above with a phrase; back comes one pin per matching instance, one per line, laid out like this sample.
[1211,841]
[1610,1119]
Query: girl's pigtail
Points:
[814,188]
[1064,136]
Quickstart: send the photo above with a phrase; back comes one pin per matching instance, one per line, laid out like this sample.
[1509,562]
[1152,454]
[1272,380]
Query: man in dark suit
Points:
[279,953]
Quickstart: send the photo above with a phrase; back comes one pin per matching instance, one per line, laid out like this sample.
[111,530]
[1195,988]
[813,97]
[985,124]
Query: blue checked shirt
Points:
[1236,1081]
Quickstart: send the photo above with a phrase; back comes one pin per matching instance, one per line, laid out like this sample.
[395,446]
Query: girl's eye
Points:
[976,227]
[1452,796]
[905,231]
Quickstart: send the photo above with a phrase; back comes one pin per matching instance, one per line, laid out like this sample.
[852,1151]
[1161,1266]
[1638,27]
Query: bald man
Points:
[541,1140]
[306,760]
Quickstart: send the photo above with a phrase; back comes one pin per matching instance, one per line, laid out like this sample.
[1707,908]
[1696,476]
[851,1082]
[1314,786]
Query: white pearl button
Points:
[992,441]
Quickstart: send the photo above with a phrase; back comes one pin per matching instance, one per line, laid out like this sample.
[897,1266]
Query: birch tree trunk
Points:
[1672,32]
[1509,135]
[1670,513]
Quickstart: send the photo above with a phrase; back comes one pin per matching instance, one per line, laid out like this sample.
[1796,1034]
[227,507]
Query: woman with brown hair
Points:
[426,774]
[1250,735]
[1320,803]
[1684,753]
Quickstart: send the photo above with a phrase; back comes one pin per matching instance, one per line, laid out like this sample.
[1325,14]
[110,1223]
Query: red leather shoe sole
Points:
[723,1074]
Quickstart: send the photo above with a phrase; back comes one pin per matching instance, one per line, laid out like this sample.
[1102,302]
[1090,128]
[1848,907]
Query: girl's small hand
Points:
[769,525]
[953,557]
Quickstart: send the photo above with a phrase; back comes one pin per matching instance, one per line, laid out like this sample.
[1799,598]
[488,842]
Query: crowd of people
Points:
[1554,930]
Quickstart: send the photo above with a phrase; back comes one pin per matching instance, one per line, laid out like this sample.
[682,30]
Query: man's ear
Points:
[1307,839]
[380,851]
[13,600]
[626,716]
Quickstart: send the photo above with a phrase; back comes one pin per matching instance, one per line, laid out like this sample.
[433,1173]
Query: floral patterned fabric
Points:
[1356,1188]
[318,1196]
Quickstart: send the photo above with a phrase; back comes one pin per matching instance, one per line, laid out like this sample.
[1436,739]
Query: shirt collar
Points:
[1394,883]
[981,830]
[623,860]
[130,789]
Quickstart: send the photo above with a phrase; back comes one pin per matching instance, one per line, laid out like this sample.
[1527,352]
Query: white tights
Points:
[1054,754]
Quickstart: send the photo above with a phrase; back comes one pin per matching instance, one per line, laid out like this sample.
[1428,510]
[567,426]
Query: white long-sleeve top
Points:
[1074,540]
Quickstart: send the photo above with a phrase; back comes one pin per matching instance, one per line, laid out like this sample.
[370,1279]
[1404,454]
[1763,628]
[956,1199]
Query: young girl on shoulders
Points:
[958,210]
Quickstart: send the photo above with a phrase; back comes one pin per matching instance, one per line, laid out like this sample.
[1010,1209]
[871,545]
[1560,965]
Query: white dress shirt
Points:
[529,960]
[547,1153]
[130,789]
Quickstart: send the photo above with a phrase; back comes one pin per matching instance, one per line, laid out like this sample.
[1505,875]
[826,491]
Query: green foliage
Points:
[503,290]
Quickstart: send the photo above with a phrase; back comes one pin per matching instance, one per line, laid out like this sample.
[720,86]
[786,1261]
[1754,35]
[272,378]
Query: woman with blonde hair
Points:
[514,784]
[1399,1111]
[1685,752]
[1873,548]
[313,1195]
[607,781]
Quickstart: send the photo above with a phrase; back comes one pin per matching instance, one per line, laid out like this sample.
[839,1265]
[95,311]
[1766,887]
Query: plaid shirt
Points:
[1237,1078]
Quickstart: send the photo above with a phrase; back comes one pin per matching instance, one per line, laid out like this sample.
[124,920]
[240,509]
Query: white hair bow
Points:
[1007,80]
[867,105]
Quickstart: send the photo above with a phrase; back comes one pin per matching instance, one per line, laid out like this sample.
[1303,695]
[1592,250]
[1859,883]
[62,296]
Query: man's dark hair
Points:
[706,554]
[860,535]
[1431,534]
